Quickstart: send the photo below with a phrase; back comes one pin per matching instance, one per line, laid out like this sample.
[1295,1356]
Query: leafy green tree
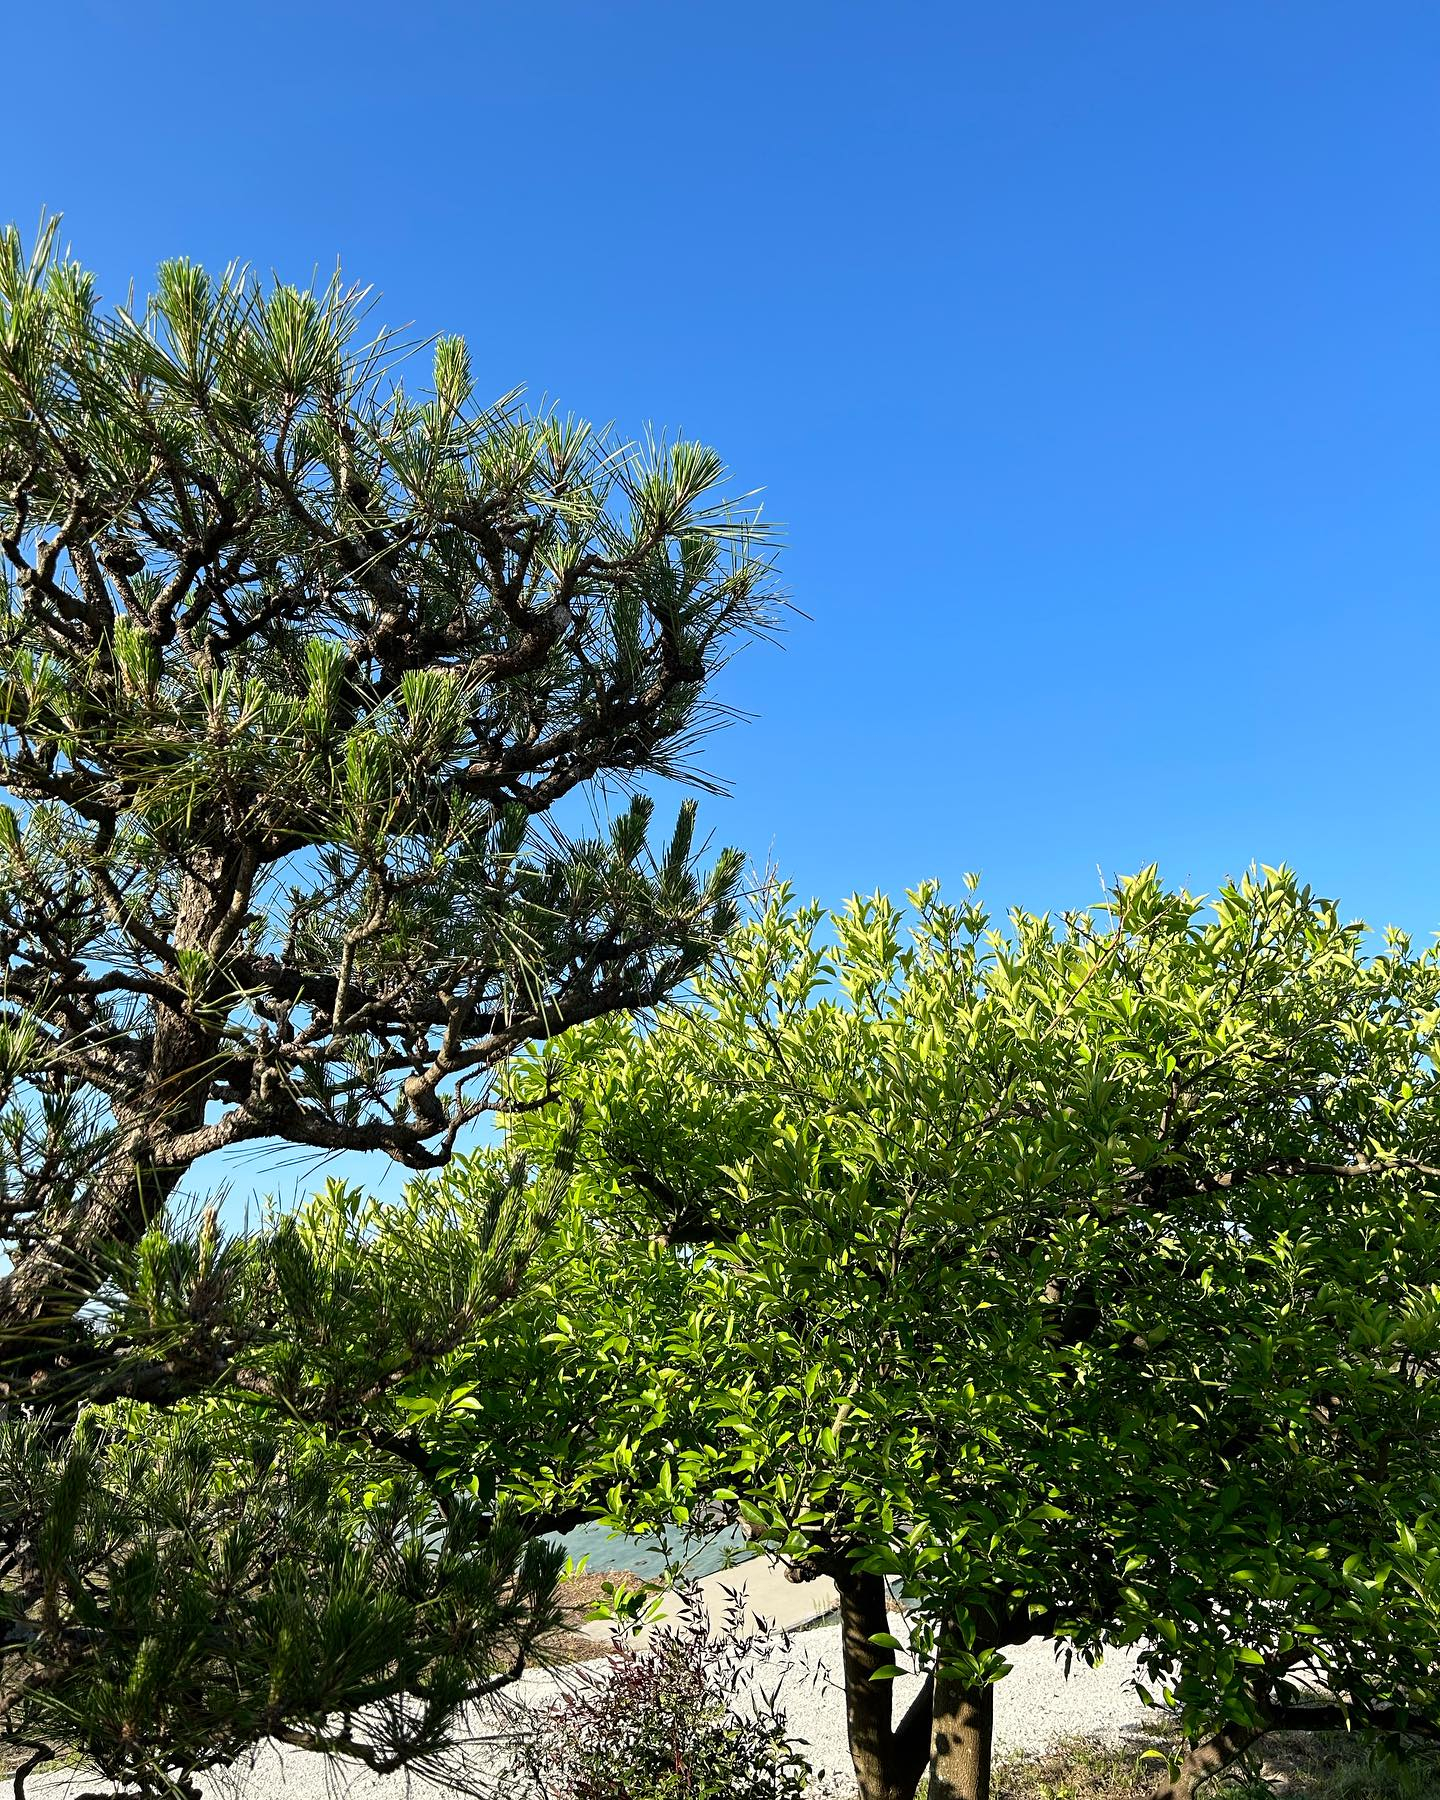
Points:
[302,677]
[1083,1278]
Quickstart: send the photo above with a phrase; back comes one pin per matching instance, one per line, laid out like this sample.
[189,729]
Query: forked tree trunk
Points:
[888,1761]
[962,1730]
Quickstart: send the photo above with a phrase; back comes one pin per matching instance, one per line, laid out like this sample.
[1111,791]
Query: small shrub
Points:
[687,1717]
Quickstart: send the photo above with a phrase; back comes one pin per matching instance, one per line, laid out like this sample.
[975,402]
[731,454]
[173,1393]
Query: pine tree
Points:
[307,689]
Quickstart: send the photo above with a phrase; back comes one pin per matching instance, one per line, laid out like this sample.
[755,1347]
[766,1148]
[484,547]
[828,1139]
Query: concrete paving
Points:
[769,1596]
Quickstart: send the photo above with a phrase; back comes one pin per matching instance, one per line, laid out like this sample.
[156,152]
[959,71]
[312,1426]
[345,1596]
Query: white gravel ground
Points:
[1035,1705]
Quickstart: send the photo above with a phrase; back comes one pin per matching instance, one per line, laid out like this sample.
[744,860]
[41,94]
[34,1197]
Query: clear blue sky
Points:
[1088,353]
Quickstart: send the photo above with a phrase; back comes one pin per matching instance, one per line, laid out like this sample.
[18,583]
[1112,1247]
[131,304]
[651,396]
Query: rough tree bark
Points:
[889,1760]
[136,1177]
[962,1728]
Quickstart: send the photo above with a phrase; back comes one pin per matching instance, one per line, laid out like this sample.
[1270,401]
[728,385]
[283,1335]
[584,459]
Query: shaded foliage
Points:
[289,1551]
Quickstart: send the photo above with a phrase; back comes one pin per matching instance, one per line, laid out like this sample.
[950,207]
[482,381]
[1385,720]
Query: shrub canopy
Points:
[1082,1277]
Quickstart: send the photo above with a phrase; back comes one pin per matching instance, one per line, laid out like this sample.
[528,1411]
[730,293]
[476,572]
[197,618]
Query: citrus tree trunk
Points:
[888,1761]
[962,1728]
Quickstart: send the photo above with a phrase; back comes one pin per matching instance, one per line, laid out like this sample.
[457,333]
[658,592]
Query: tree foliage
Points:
[268,1535]
[1081,1277]
[314,689]
[294,668]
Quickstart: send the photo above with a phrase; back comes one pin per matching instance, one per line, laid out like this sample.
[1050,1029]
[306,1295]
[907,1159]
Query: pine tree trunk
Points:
[57,1269]
[961,1734]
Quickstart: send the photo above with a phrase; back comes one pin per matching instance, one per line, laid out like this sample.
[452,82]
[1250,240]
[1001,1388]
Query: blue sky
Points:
[1088,354]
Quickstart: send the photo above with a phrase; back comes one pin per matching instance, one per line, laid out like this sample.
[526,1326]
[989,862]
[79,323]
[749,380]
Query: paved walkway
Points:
[769,1595]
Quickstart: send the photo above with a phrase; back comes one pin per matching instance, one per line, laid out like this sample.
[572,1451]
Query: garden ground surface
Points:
[1035,1705]
[1058,1737]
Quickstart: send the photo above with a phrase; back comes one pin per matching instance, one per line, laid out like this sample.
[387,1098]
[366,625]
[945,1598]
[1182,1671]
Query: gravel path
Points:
[1034,1705]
